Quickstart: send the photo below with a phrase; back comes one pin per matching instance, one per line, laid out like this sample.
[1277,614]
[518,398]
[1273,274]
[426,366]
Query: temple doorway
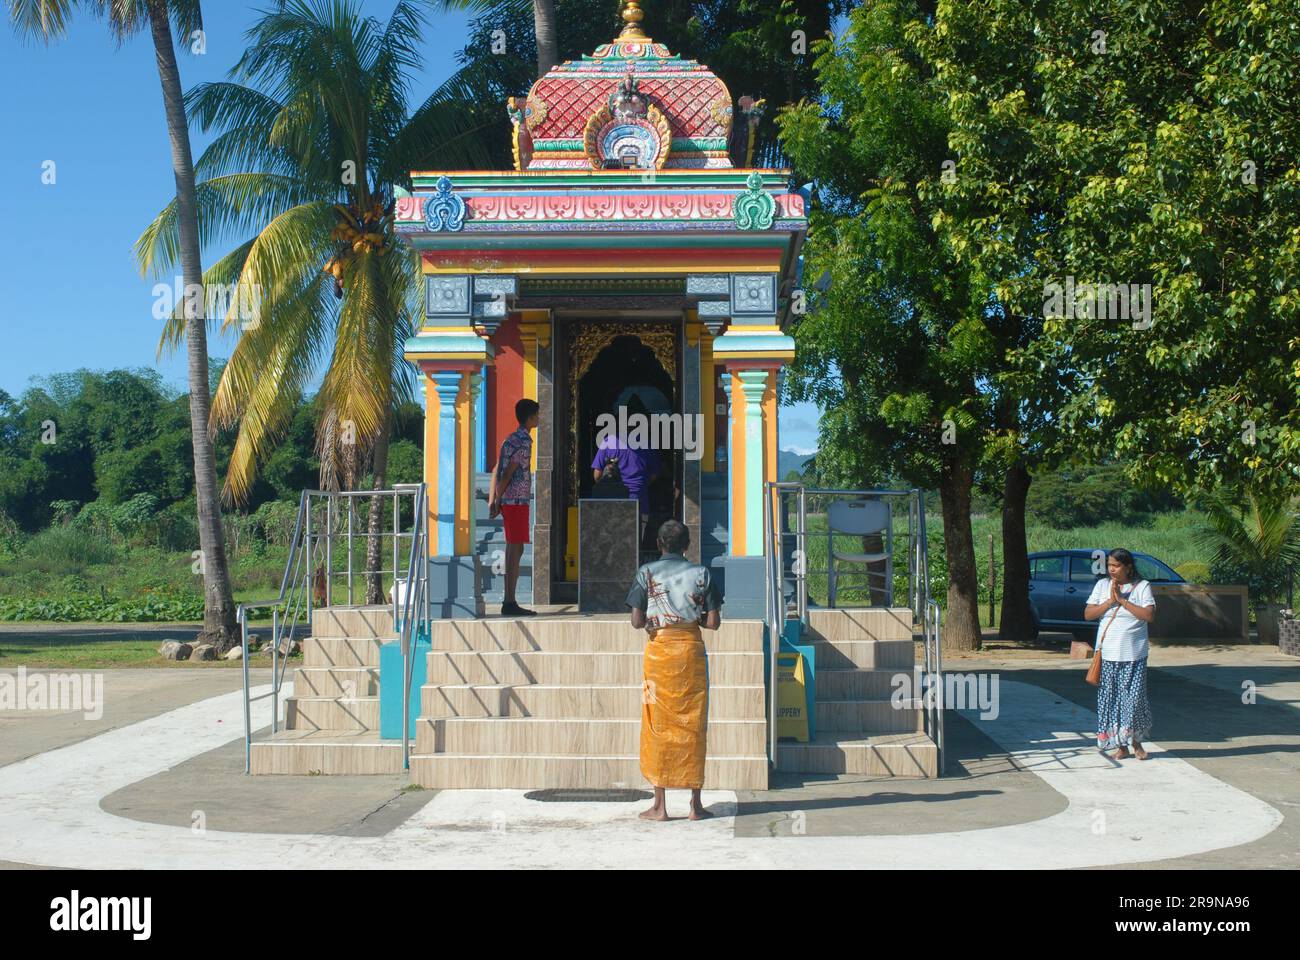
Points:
[612,364]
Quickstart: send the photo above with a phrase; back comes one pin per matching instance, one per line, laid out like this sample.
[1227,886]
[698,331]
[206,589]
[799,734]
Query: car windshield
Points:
[1149,568]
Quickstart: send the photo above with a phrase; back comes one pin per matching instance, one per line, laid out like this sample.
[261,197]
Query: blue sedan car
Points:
[1061,580]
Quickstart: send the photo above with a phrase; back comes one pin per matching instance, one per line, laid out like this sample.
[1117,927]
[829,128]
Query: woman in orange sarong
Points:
[672,598]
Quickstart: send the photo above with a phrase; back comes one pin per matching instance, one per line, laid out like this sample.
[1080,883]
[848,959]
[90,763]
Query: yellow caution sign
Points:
[791,698]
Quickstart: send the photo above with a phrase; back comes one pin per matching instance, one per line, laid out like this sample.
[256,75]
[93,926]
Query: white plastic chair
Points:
[856,518]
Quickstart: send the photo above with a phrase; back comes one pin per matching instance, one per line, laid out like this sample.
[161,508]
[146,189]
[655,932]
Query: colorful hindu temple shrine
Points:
[628,261]
[627,265]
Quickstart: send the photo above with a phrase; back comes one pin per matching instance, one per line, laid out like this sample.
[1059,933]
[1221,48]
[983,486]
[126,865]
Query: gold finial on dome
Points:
[632,17]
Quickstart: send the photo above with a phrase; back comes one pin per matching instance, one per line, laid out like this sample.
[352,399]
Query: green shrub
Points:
[1194,571]
[68,548]
[144,607]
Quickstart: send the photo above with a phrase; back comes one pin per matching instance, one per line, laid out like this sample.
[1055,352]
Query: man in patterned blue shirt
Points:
[509,494]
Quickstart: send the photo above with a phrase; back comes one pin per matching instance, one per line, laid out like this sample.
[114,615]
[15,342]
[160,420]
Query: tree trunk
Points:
[548,54]
[375,524]
[1017,622]
[219,623]
[961,628]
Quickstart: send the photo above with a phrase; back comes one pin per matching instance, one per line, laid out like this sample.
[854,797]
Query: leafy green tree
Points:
[1151,146]
[897,341]
[1255,542]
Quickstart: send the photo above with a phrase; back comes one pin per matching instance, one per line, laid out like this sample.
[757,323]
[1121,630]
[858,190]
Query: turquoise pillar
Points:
[726,391]
[477,441]
[480,430]
[753,384]
[447,383]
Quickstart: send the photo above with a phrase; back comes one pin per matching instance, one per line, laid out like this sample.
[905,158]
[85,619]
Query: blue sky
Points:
[73,296]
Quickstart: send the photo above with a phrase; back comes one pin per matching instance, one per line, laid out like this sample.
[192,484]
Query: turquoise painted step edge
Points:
[390,687]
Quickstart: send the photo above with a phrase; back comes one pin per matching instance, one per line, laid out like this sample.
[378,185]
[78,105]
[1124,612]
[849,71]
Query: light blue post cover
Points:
[390,685]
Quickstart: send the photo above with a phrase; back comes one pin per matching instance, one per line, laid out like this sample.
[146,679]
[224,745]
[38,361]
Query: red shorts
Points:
[515,517]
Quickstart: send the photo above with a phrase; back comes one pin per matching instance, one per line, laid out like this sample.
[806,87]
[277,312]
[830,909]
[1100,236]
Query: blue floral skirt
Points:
[1123,710]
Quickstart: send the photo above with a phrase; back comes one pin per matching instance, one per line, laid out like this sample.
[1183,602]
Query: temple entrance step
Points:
[571,736]
[867,719]
[326,752]
[535,772]
[556,701]
[883,755]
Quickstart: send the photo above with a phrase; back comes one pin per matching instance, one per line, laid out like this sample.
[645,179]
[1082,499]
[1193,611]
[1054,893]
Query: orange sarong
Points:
[675,708]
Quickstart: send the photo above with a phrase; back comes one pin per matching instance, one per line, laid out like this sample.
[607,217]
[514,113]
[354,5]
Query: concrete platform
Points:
[1221,790]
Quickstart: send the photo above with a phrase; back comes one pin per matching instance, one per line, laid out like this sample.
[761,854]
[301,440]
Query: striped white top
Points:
[1126,638]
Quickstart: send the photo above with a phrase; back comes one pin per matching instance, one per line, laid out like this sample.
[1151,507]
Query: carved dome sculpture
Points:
[630,104]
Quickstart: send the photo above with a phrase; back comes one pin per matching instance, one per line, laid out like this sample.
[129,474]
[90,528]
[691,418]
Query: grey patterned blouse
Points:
[673,590]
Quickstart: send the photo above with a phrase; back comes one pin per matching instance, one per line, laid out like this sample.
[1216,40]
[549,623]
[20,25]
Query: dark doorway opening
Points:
[607,364]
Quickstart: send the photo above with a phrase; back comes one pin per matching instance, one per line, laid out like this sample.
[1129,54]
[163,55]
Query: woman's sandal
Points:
[1140,753]
[1121,754]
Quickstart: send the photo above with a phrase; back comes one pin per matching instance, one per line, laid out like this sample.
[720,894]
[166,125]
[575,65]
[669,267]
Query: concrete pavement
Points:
[158,781]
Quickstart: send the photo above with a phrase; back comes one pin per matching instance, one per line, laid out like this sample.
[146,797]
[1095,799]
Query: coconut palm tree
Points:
[314,139]
[48,21]
[1258,541]
[544,27]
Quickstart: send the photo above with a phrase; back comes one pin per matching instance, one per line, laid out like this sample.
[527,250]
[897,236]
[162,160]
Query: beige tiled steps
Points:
[527,704]
[332,718]
[353,622]
[882,755]
[726,702]
[855,683]
[877,623]
[568,636]
[331,713]
[532,772]
[336,682]
[864,654]
[860,730]
[331,752]
[345,652]
[575,667]
[877,716]
[569,737]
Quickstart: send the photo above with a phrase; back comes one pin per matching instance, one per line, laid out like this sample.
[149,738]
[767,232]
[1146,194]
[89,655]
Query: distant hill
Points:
[787,460]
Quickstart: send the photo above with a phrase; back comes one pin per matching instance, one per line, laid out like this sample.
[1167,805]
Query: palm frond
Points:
[233,205]
[1262,533]
[264,380]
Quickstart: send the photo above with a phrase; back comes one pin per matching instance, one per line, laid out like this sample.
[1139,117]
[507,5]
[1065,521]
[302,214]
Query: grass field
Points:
[53,578]
[102,654]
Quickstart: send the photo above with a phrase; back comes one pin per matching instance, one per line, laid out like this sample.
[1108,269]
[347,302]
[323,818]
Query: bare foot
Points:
[1120,754]
[1139,752]
[698,813]
[654,813]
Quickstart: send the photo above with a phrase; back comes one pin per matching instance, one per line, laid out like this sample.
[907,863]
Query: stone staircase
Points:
[332,718]
[859,729]
[556,702]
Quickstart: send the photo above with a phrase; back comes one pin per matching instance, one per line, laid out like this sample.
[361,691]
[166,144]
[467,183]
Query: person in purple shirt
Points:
[636,468]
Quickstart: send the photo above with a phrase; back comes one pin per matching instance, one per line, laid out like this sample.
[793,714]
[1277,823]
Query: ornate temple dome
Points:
[630,104]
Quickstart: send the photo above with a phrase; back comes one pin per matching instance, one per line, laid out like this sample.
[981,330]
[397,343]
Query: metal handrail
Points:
[925,610]
[414,598]
[295,595]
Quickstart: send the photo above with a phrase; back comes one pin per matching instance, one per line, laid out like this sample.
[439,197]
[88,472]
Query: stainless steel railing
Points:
[926,613]
[312,551]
